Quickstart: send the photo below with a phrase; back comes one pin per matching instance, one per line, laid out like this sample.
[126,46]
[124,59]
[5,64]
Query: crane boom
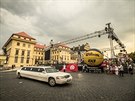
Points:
[84,37]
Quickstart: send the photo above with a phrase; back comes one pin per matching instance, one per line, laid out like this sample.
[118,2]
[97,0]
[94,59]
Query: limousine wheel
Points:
[52,82]
[19,76]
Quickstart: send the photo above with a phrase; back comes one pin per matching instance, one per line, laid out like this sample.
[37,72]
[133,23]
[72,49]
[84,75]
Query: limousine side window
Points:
[40,70]
[28,69]
[37,69]
[24,68]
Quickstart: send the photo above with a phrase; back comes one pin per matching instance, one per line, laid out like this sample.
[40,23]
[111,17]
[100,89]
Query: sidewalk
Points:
[10,70]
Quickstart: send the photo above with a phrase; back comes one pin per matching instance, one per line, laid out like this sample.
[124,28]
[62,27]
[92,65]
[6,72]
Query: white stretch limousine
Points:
[47,74]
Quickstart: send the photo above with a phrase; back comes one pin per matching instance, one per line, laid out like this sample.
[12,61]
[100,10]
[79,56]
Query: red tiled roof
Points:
[62,45]
[23,34]
[39,46]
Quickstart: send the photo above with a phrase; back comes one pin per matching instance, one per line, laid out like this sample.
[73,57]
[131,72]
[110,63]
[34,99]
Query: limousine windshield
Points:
[51,70]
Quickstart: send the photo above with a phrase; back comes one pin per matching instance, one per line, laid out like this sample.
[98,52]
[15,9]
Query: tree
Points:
[132,56]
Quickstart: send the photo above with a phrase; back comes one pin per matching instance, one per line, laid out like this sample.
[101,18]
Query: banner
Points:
[71,68]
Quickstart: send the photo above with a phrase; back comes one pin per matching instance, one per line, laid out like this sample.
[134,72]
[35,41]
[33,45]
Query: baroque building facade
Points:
[19,50]
[23,50]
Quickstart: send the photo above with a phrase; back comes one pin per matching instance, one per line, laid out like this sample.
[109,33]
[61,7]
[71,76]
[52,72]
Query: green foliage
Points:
[132,56]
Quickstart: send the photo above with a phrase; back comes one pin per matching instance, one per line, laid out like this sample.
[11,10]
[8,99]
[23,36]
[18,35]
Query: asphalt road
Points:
[85,87]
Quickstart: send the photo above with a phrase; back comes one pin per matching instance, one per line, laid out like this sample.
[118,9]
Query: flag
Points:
[71,68]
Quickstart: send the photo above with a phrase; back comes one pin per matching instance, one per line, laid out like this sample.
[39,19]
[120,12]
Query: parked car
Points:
[46,73]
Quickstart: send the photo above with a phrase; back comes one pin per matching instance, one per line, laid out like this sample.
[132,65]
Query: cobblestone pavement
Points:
[85,87]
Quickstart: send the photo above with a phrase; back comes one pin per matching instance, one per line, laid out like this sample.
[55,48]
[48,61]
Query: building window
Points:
[16,59]
[54,58]
[41,58]
[17,52]
[23,44]
[23,51]
[28,45]
[68,58]
[18,44]
[27,61]
[28,53]
[22,59]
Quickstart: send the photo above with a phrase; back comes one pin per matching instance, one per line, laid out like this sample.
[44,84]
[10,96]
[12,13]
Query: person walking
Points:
[64,67]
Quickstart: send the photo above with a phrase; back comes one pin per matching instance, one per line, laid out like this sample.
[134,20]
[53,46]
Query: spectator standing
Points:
[130,69]
[116,70]
[107,69]
[83,68]
[110,69]
[121,70]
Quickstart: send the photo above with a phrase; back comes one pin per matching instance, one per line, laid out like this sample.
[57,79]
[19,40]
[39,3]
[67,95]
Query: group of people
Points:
[118,69]
[114,69]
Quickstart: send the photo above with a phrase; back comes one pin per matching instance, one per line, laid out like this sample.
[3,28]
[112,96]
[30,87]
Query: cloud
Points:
[61,20]
[19,7]
[11,23]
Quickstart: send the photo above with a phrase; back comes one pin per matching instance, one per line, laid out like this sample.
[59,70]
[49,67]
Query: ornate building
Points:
[59,54]
[2,59]
[19,50]
[22,50]
[39,55]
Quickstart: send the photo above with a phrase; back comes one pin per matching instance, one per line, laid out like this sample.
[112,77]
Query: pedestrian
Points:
[86,68]
[116,70]
[121,70]
[64,67]
[107,69]
[130,69]
[83,68]
[113,69]
[110,69]
[13,66]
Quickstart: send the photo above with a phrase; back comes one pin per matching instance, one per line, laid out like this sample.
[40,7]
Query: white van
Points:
[46,73]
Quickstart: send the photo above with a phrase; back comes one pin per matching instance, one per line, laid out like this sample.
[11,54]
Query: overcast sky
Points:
[64,19]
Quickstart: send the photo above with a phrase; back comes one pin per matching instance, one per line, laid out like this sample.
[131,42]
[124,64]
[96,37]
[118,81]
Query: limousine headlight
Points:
[60,77]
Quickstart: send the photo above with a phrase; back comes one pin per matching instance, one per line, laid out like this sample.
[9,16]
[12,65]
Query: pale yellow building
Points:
[19,50]
[61,54]
[22,50]
[39,54]
[2,59]
[74,57]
